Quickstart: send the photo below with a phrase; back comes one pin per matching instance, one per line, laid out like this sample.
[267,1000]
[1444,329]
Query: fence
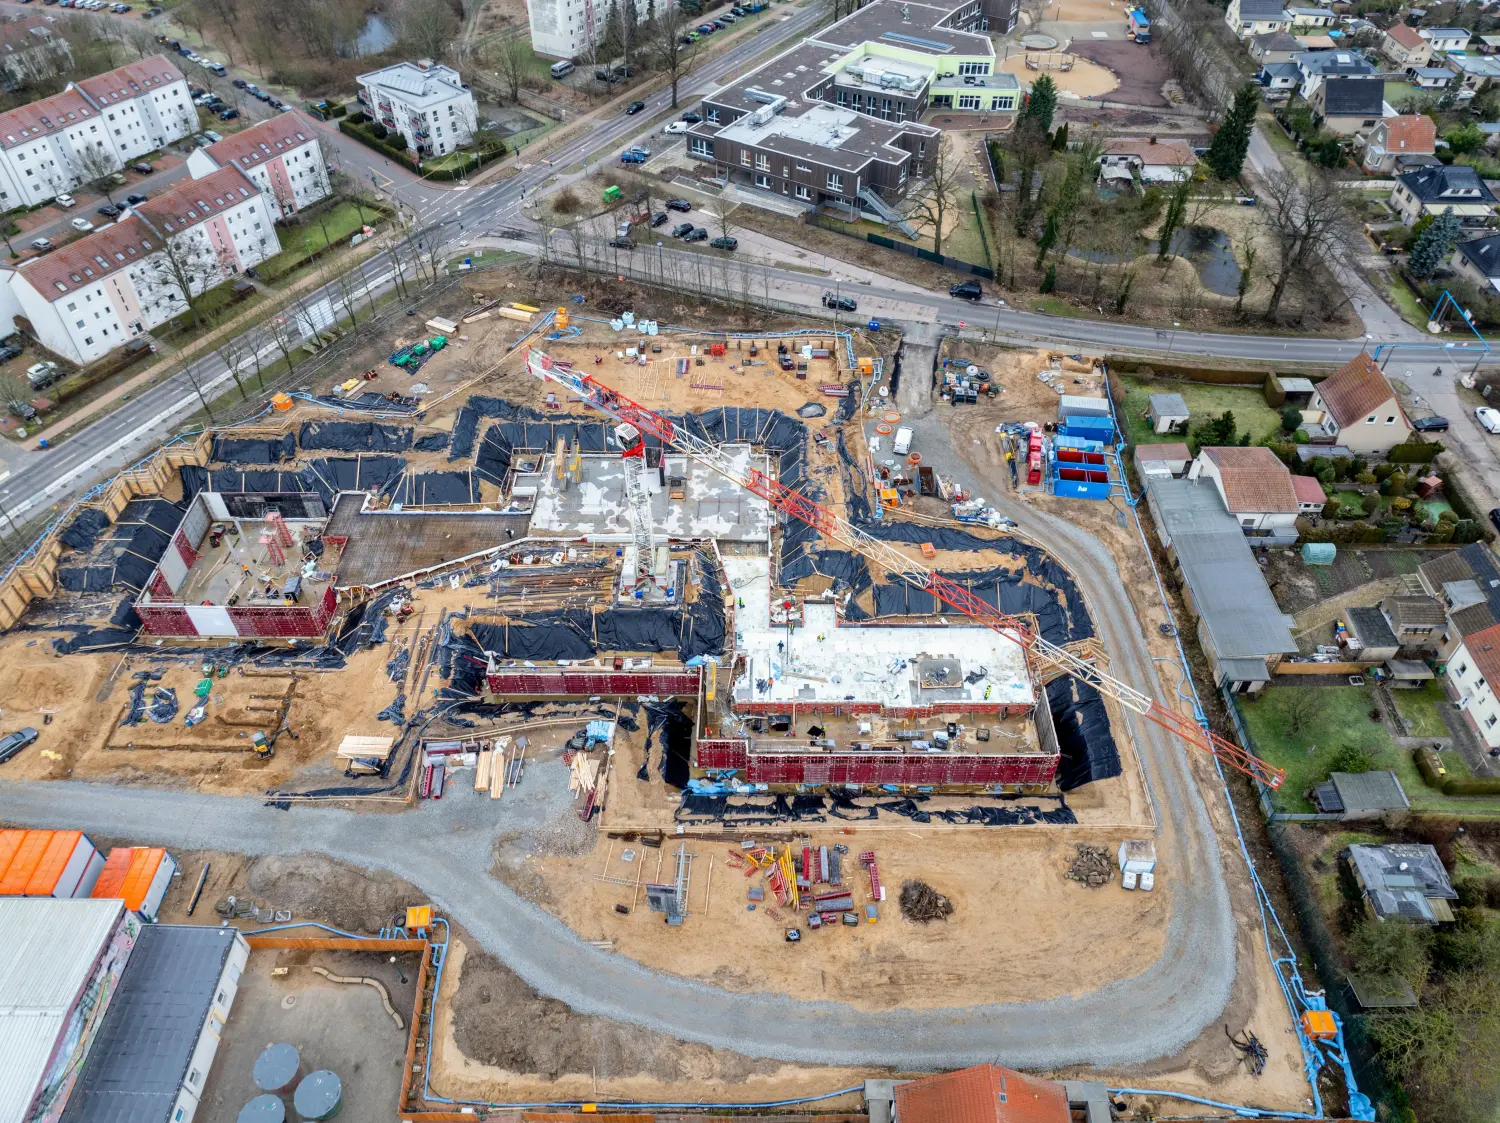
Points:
[911,251]
[984,236]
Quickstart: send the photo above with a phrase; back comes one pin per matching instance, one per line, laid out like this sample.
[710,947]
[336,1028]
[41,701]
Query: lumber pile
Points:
[1091,865]
[922,903]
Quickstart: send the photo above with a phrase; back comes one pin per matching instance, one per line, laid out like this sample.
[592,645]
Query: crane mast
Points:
[1041,654]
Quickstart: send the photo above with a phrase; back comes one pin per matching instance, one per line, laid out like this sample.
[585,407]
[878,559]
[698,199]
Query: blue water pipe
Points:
[1287,973]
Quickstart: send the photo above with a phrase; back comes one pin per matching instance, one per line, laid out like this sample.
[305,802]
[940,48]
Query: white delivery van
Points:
[562,69]
[902,444]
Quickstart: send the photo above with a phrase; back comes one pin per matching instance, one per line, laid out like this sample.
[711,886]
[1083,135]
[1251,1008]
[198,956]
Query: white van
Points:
[562,69]
[902,444]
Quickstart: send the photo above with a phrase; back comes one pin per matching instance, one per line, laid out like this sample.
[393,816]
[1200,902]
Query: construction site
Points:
[688,623]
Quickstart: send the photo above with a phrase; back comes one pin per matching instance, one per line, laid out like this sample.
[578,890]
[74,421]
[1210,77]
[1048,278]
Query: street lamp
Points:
[1172,336]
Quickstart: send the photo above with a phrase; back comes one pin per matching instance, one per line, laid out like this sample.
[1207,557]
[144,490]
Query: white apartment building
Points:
[122,115]
[570,28]
[280,156]
[427,104]
[1474,672]
[99,292]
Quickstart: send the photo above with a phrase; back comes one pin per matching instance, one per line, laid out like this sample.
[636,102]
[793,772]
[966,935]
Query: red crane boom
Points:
[1039,651]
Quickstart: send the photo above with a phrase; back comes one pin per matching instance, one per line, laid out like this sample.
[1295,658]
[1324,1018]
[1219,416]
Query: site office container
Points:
[137,875]
[48,864]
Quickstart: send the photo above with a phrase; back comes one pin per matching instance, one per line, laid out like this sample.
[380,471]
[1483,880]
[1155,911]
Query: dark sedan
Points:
[1430,424]
[634,107]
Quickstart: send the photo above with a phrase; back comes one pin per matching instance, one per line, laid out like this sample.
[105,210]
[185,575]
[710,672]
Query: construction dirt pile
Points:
[347,897]
[921,902]
[1091,866]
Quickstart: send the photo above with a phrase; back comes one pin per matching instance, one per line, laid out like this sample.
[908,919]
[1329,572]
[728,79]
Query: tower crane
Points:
[1041,654]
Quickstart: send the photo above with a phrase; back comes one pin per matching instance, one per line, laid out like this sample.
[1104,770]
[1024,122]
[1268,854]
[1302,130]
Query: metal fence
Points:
[911,251]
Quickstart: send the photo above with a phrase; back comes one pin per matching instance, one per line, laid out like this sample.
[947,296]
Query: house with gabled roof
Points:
[1404,47]
[1440,187]
[1256,489]
[1394,141]
[1359,409]
[1256,17]
[280,155]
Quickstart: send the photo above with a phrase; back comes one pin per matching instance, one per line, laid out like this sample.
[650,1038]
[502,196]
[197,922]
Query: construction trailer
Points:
[48,864]
[138,875]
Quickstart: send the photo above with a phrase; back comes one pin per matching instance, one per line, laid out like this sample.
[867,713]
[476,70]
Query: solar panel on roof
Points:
[930,44]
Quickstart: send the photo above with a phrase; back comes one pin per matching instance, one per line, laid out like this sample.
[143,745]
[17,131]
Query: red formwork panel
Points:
[589,682]
[271,621]
[900,768]
[166,620]
[852,709]
[721,753]
[188,555]
[326,608]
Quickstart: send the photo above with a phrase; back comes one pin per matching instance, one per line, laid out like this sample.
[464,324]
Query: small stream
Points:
[375,36]
[1207,247]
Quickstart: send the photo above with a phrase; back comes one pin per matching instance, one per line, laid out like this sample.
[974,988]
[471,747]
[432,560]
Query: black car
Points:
[196,91]
[239,83]
[229,114]
[659,218]
[109,210]
[679,205]
[142,167]
[12,743]
[275,103]
[968,290]
[634,107]
[842,303]
[1430,424]
[692,118]
[622,243]
[261,95]
[725,243]
[1495,517]
[698,235]
[9,351]
[136,200]
[683,230]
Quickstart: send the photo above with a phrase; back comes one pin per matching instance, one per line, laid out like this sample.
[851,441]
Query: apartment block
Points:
[428,105]
[280,156]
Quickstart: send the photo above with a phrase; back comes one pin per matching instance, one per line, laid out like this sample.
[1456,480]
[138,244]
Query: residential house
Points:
[1170,459]
[1277,46]
[1318,66]
[1404,47]
[1357,796]
[1279,80]
[429,106]
[1312,17]
[1467,583]
[1360,409]
[1348,105]
[120,115]
[1478,260]
[1430,77]
[1394,138]
[280,155]
[1256,489]
[1438,187]
[1487,44]
[31,51]
[983,1094]
[1473,72]
[93,295]
[1256,17]
[1168,413]
[1149,159]
[1416,621]
[1445,38]
[1311,497]
[1473,673]
[1368,636]
[1404,879]
[1242,631]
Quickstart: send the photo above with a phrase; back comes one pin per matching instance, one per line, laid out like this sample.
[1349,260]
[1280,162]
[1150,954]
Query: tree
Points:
[1226,153]
[1464,139]
[512,60]
[1049,279]
[1291,419]
[1029,143]
[666,48]
[184,268]
[931,210]
[1305,222]
[1298,706]
[1068,200]
[1428,251]
[1172,219]
[425,26]
[721,208]
[1350,757]
[1248,253]
[97,167]
[1216,432]
[1392,947]
[1040,104]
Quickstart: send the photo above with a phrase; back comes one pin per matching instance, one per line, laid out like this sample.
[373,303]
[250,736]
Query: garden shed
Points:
[1169,413]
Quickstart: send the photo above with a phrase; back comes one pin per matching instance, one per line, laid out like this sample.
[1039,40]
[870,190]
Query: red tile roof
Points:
[1356,389]
[1308,490]
[23,125]
[1254,480]
[984,1094]
[252,147]
[194,200]
[1173,153]
[84,262]
[1406,36]
[1411,132]
[1484,648]
[130,80]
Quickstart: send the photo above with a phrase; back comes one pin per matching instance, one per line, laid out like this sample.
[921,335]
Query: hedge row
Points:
[358,126]
[1428,764]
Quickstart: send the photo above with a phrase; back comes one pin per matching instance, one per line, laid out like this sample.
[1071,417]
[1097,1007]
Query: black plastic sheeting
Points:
[1082,723]
[849,403]
[667,720]
[767,810]
[246,450]
[326,477]
[426,489]
[118,555]
[85,638]
[354,436]
[465,433]
[370,402]
[84,530]
[431,442]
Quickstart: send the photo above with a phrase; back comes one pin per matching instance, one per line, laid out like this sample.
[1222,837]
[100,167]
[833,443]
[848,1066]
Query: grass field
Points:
[1203,401]
[1339,716]
[1420,709]
[317,231]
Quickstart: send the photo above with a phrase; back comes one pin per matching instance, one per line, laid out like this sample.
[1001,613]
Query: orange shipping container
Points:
[10,842]
[51,864]
[18,874]
[139,876]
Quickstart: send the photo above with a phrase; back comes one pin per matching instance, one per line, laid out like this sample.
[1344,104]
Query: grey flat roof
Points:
[140,1056]
[1369,791]
[1168,405]
[1296,385]
[1236,608]
[1370,625]
[883,22]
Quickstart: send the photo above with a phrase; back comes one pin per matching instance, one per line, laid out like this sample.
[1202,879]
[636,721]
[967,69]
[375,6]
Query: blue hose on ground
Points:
[1245,1112]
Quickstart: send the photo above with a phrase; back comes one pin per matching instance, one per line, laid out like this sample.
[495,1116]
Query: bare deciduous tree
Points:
[1305,224]
[512,61]
[721,208]
[668,52]
[426,26]
[97,167]
[930,211]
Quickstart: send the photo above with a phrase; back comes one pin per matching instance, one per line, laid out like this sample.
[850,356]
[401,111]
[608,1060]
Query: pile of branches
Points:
[1091,865]
[921,902]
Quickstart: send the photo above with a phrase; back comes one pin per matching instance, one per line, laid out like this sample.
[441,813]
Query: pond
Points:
[375,36]
[1208,248]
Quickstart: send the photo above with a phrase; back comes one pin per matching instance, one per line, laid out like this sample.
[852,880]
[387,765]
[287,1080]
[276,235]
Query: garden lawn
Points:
[1339,716]
[1420,709]
[1204,400]
[318,230]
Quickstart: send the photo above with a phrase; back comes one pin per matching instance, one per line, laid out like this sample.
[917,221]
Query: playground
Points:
[1074,76]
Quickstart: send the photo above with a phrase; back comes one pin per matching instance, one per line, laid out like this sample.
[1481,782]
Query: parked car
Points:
[41,244]
[679,205]
[136,199]
[631,156]
[659,218]
[142,167]
[151,13]
[65,200]
[239,83]
[968,290]
[229,114]
[1489,418]
[622,243]
[1495,517]
[12,743]
[213,137]
[692,118]
[673,128]
[109,210]
[725,243]
[841,303]
[698,235]
[261,95]
[682,230]
[82,224]
[216,68]
[720,24]
[634,107]
[275,103]
[10,348]
[1430,424]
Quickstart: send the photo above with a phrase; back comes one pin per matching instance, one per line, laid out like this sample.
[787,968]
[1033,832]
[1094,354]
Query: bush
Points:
[1427,764]
[1400,503]
[1350,758]
[1476,785]
[1414,451]
[1383,471]
[1332,508]
[338,111]
[1370,504]
[1291,419]
[1366,477]
[379,131]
